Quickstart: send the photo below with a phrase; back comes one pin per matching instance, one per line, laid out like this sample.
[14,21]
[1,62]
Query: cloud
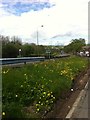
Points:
[68,34]
[18,7]
[62,22]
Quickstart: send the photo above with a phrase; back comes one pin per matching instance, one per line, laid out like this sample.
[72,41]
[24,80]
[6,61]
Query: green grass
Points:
[38,85]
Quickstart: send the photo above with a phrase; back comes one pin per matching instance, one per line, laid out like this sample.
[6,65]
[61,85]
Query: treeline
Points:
[13,47]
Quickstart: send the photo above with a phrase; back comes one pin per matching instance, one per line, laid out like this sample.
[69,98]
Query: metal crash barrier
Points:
[5,61]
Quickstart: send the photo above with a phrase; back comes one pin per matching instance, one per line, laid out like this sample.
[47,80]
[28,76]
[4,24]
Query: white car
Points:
[87,53]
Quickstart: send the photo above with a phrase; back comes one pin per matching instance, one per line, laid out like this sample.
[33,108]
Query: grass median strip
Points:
[31,91]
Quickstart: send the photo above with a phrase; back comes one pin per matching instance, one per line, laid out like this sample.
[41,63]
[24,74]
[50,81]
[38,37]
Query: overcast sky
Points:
[57,21]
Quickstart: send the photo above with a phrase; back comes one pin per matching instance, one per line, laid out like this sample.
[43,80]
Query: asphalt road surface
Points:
[82,110]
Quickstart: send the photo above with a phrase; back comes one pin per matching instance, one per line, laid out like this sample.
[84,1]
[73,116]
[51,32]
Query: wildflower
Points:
[16,95]
[40,97]
[39,102]
[3,113]
[51,101]
[21,85]
[25,74]
[51,95]
[46,101]
[51,92]
[48,94]
[37,109]
[42,86]
[4,72]
[44,93]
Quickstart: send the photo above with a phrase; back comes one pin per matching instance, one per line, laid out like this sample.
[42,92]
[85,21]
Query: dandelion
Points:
[44,93]
[25,74]
[3,113]
[37,105]
[51,92]
[51,95]
[39,102]
[16,95]
[4,72]
[48,94]
[51,101]
[37,109]
[21,85]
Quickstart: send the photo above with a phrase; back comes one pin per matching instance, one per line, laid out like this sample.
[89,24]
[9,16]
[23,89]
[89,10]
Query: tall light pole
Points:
[38,41]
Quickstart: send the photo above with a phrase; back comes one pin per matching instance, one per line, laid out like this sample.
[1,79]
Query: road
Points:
[82,110]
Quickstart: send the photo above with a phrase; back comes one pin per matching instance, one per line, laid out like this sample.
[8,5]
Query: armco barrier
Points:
[5,61]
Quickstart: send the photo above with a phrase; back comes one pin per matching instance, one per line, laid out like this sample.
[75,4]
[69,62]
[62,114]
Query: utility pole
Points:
[38,41]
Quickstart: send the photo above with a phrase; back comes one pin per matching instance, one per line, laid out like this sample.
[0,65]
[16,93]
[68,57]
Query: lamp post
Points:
[38,41]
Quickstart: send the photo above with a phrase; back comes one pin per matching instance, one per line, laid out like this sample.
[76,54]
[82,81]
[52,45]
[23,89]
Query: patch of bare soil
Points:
[64,103]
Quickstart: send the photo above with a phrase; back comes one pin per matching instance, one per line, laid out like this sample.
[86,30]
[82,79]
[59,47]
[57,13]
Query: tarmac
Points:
[80,108]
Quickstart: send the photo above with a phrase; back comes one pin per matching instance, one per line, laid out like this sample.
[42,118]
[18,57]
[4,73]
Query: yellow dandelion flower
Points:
[16,95]
[37,104]
[25,74]
[44,93]
[48,94]
[3,113]
[37,109]
[41,103]
[51,95]
[4,72]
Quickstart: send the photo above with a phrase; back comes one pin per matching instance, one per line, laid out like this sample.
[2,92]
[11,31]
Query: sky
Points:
[56,22]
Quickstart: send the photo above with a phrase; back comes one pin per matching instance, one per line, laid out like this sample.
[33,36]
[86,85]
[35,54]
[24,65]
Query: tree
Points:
[75,46]
[9,51]
[10,48]
[27,50]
